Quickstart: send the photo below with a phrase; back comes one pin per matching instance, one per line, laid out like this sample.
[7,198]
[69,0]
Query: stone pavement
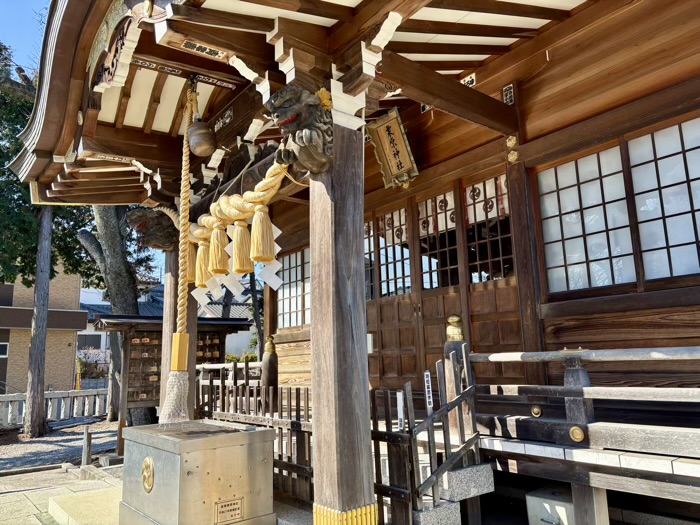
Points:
[24,498]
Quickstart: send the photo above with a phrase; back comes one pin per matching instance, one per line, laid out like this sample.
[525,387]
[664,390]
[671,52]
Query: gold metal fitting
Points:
[362,516]
[513,156]
[512,141]
[148,474]
[536,411]
[577,434]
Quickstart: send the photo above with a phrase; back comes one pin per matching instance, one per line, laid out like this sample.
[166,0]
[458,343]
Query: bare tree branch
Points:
[93,247]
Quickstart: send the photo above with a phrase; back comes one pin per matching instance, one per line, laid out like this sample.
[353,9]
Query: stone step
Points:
[446,513]
[467,482]
[91,507]
[287,515]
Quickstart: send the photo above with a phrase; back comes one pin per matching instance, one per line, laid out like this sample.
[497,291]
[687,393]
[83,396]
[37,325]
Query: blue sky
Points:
[20,30]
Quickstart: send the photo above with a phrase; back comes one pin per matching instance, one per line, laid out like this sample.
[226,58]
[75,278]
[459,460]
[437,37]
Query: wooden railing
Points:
[579,426]
[60,406]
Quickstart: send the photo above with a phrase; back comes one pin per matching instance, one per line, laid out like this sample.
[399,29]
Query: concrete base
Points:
[447,513]
[468,482]
[95,507]
[133,517]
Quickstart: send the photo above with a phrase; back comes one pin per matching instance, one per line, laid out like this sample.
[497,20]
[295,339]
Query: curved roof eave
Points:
[60,77]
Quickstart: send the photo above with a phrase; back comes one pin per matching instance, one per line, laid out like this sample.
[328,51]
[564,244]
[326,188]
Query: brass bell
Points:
[202,139]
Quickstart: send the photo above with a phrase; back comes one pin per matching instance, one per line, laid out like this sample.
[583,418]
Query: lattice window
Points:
[294,296]
[370,287]
[394,255]
[665,169]
[489,244]
[585,223]
[438,241]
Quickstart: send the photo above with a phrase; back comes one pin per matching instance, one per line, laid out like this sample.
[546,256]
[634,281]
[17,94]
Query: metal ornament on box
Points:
[393,150]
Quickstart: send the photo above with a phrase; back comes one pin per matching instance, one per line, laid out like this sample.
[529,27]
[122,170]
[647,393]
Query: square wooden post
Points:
[343,480]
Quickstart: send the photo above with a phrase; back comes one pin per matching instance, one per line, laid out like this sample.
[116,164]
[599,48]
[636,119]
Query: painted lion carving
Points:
[307,128]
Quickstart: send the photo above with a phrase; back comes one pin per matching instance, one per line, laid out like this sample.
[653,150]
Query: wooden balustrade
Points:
[60,405]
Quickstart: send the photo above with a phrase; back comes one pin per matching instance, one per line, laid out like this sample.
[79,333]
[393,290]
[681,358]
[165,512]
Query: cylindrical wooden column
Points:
[343,477]
[169,319]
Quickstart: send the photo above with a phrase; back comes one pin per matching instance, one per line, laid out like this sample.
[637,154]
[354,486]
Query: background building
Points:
[65,320]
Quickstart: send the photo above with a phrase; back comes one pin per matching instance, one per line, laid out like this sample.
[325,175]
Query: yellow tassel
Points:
[218,258]
[203,273]
[262,248]
[242,263]
[191,263]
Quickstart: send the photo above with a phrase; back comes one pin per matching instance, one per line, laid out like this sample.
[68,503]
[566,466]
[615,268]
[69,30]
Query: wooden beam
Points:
[669,103]
[497,7]
[153,150]
[455,29]
[234,118]
[368,15]
[251,47]
[424,85]
[446,49]
[79,186]
[219,19]
[179,112]
[148,50]
[309,7]
[76,192]
[154,102]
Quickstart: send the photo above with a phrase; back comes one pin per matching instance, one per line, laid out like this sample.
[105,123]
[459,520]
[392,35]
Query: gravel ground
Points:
[63,445]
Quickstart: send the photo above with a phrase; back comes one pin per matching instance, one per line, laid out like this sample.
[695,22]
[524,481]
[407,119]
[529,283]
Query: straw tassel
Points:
[242,262]
[262,247]
[218,258]
[203,273]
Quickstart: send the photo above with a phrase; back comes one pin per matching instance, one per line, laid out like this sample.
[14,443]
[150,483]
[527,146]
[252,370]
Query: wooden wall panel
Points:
[294,363]
[640,329]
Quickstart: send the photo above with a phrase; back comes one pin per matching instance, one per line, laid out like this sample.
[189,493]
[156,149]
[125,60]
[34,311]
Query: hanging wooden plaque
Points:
[392,150]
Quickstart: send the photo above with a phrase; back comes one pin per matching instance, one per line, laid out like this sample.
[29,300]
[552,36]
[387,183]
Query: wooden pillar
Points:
[590,503]
[343,480]
[192,307]
[526,268]
[169,319]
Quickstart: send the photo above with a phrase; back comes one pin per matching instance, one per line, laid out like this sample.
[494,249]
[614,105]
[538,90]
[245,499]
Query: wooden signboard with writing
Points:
[393,151]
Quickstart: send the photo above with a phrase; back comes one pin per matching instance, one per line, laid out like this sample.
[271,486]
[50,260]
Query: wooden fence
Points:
[402,483]
[59,406]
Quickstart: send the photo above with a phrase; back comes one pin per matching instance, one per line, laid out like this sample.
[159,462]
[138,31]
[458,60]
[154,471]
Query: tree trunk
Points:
[35,424]
[256,316]
[114,384]
[110,254]
[226,304]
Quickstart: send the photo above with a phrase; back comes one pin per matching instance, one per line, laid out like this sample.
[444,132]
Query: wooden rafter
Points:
[154,102]
[81,186]
[309,7]
[497,7]
[446,49]
[424,85]
[454,29]
[177,119]
[368,15]
[219,19]
[104,190]
[125,97]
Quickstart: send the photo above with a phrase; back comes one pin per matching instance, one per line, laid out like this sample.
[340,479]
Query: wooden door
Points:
[399,348]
